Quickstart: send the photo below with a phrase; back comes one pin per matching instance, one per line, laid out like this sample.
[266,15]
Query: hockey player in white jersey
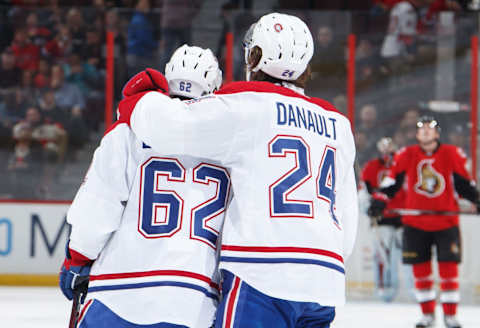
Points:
[292,222]
[147,223]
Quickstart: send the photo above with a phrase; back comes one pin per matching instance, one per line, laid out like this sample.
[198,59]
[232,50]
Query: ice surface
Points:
[42,307]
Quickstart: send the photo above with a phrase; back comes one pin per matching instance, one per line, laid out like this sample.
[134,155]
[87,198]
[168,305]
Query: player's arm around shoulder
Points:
[202,127]
[98,206]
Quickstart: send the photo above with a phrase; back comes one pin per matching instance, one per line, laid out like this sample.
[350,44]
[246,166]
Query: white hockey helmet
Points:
[286,44]
[193,72]
[386,146]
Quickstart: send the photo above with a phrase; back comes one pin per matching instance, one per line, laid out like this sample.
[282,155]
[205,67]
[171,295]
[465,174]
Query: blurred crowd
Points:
[407,53]
[53,56]
[52,70]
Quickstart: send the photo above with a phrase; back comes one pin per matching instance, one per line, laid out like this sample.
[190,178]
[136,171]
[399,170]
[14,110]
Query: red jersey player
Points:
[387,242]
[435,173]
[375,171]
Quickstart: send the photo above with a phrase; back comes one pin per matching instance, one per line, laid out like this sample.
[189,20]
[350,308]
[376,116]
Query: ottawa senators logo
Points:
[382,174]
[430,183]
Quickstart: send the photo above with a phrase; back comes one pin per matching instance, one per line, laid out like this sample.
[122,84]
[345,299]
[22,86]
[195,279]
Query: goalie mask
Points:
[286,44]
[193,72]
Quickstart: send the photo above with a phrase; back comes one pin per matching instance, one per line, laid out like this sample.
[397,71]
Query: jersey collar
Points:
[267,87]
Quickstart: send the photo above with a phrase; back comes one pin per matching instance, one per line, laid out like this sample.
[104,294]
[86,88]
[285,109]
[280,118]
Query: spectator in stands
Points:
[67,94]
[176,20]
[77,28]
[81,73]
[409,22]
[367,69]
[60,46]
[48,139]
[368,118]
[78,134]
[26,53]
[16,104]
[28,88]
[410,117]
[10,74]
[398,48]
[53,138]
[42,75]
[94,11]
[89,80]
[33,117]
[49,108]
[408,125]
[25,164]
[6,30]
[141,43]
[92,49]
[340,103]
[37,34]
[399,138]
[364,151]
[328,64]
[368,121]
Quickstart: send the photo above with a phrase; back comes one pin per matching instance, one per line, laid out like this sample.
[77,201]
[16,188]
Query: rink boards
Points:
[360,269]
[33,236]
[32,241]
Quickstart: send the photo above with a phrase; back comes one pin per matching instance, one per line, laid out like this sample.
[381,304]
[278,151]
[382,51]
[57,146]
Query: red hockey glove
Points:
[378,204]
[147,80]
[136,87]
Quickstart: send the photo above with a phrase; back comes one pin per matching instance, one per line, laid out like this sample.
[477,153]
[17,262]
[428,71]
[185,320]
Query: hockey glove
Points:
[136,87]
[74,273]
[377,205]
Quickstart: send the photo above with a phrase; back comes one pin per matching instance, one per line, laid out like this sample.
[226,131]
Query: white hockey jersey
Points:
[151,222]
[293,218]
[402,23]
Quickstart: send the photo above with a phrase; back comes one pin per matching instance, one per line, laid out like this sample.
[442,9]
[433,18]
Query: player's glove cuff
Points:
[75,269]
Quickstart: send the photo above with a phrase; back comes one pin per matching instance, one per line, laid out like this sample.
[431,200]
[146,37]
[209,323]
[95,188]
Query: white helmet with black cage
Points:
[286,44]
[193,72]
